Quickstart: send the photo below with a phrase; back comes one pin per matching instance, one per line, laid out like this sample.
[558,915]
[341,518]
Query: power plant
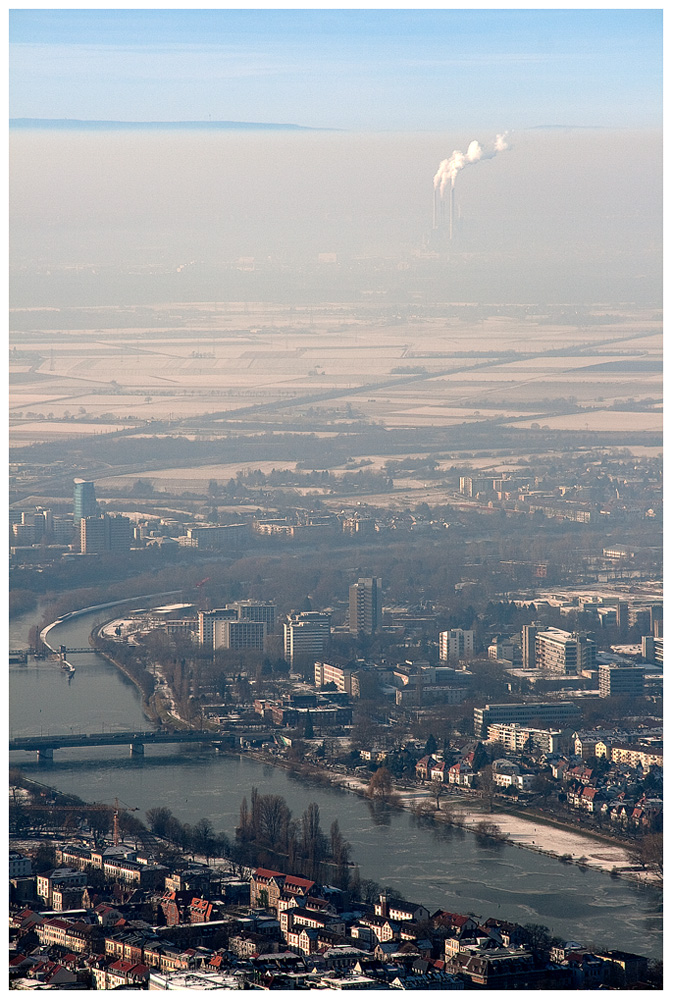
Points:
[443,205]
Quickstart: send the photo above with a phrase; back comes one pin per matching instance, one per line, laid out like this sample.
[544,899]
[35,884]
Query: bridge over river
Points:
[44,746]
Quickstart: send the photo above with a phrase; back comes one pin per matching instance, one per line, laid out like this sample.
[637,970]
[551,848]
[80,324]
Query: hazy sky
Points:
[354,69]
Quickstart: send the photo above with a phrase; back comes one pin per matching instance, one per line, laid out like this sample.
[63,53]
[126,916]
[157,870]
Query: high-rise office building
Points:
[307,632]
[364,605]
[84,500]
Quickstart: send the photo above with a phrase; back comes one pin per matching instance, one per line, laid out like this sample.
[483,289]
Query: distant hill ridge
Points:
[85,123]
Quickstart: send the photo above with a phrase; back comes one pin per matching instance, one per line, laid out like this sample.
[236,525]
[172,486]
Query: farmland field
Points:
[214,369]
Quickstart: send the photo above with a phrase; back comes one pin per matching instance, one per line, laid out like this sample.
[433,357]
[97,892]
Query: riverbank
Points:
[530,833]
[550,839]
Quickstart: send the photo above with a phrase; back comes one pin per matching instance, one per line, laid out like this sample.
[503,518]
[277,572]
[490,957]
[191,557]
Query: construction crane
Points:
[115,820]
[116,809]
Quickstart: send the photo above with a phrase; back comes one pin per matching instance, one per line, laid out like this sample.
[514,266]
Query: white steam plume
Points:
[448,169]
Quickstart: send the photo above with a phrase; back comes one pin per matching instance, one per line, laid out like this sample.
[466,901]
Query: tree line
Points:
[267,834]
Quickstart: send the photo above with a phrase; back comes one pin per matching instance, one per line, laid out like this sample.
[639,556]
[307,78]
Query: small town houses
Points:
[291,932]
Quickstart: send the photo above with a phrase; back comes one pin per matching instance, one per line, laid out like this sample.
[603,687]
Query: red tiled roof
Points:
[301,883]
[121,965]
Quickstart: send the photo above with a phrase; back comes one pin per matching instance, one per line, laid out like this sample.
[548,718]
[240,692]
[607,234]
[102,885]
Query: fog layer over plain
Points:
[570,215]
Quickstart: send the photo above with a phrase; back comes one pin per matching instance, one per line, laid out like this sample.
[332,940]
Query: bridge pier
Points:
[45,754]
[137,748]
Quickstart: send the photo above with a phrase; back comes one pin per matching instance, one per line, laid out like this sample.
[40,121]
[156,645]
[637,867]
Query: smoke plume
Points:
[448,169]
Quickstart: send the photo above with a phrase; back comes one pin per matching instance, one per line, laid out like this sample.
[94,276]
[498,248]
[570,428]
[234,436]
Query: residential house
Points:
[423,767]
[267,886]
[462,773]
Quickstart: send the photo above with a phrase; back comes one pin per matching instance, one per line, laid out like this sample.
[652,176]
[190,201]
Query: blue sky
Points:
[353,69]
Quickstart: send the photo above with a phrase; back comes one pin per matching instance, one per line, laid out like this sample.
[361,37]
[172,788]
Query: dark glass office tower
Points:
[85,503]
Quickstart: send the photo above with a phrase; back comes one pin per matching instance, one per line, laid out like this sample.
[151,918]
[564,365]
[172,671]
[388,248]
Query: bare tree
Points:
[487,785]
[436,789]
[158,818]
[274,818]
[380,784]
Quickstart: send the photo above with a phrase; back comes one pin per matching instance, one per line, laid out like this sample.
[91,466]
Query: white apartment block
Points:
[239,635]
[208,621]
[514,737]
[561,652]
[342,677]
[456,644]
[306,633]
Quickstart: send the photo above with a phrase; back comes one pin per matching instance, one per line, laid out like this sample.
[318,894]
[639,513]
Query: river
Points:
[439,868]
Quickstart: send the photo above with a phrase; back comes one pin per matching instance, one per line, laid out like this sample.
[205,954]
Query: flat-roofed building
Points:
[515,737]
[615,680]
[561,652]
[207,621]
[364,606]
[528,636]
[306,633]
[342,676]
[239,635]
[256,611]
[553,713]
[84,500]
[105,534]
[652,649]
[637,755]
[218,536]
[470,486]
[456,644]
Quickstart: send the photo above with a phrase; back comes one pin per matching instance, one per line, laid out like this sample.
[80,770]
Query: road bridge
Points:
[48,651]
[44,746]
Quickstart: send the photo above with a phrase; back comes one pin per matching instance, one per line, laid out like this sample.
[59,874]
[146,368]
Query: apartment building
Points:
[561,652]
[552,713]
[306,633]
[105,534]
[620,681]
[364,606]
[342,676]
[239,635]
[456,644]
